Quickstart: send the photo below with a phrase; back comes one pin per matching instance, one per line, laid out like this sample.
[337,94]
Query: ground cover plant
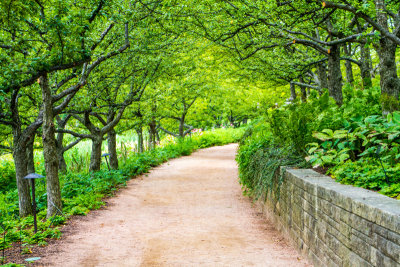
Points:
[260,157]
[85,191]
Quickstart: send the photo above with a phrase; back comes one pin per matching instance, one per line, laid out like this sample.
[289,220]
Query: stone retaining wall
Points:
[335,224]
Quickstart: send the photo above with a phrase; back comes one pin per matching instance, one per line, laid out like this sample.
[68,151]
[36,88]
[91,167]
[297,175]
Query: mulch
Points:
[321,170]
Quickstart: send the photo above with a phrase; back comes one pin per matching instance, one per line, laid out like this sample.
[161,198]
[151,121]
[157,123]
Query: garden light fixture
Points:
[32,177]
[105,155]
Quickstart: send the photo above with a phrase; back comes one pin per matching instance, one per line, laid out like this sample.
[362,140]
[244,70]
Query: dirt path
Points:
[187,212]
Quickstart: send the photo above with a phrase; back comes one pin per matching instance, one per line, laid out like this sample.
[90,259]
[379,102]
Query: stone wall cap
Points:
[364,196]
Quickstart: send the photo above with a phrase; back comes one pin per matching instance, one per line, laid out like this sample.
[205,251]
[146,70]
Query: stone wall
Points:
[334,224]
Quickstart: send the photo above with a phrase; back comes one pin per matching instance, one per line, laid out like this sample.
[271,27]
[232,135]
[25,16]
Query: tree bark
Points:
[139,131]
[62,165]
[182,126]
[152,134]
[349,68]
[20,140]
[112,149]
[322,76]
[158,136]
[390,83]
[95,156]
[366,65]
[303,91]
[293,94]
[335,75]
[50,150]
[24,197]
[30,155]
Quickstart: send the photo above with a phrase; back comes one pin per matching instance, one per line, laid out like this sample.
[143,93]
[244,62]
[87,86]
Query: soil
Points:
[187,212]
[321,170]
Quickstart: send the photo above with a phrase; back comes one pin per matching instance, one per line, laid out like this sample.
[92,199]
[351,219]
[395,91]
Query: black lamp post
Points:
[105,155]
[32,177]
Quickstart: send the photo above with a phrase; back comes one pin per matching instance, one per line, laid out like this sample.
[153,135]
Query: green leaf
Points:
[344,157]
[396,117]
[321,136]
[340,134]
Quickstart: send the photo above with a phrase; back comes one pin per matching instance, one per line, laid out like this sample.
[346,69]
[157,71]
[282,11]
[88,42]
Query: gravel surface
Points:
[187,212]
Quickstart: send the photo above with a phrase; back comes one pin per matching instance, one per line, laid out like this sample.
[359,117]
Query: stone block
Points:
[361,225]
[359,245]
[354,260]
[389,249]
[388,262]
[392,236]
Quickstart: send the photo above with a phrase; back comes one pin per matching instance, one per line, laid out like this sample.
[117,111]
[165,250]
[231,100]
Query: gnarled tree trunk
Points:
[349,68]
[390,83]
[95,157]
[365,68]
[50,150]
[335,75]
[152,134]
[293,94]
[139,131]
[303,91]
[62,165]
[24,197]
[112,149]
[322,76]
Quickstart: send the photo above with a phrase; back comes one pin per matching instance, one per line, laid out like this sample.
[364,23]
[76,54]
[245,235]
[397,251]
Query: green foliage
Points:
[360,137]
[368,173]
[389,103]
[260,158]
[294,124]
[348,139]
[7,171]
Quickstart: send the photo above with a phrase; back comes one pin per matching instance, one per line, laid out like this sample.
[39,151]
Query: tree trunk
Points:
[139,131]
[50,150]
[349,68]
[349,72]
[62,164]
[112,149]
[181,129]
[24,197]
[390,83]
[303,91]
[95,156]
[158,136]
[182,126]
[30,155]
[366,65]
[322,76]
[335,75]
[293,94]
[152,135]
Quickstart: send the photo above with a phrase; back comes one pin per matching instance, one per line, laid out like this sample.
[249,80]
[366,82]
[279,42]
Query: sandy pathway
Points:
[187,212]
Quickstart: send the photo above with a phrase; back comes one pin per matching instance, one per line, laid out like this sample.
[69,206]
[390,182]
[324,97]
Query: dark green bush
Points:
[260,158]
